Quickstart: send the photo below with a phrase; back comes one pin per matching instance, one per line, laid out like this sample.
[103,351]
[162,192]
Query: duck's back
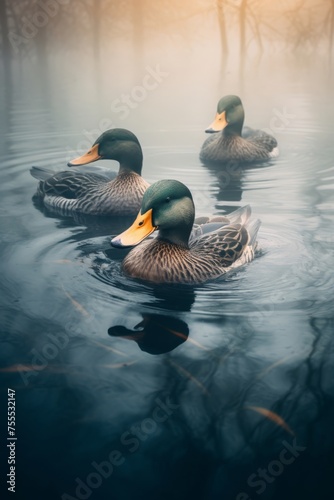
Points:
[209,256]
[253,145]
[261,138]
[93,194]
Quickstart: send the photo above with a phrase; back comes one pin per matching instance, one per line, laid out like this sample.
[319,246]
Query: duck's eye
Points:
[140,223]
[167,199]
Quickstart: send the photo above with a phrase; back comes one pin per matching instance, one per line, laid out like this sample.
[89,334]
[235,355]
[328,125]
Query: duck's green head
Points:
[167,205]
[115,144]
[229,117]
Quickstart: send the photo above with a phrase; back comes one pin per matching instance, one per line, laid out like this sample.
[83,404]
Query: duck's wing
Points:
[267,141]
[69,184]
[227,243]
[206,225]
[43,173]
[234,238]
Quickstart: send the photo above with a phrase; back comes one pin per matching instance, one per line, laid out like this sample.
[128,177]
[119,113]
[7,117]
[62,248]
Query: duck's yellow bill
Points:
[90,156]
[140,229]
[219,123]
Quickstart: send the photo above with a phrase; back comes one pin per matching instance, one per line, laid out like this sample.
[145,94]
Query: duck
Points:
[71,192]
[186,250]
[229,142]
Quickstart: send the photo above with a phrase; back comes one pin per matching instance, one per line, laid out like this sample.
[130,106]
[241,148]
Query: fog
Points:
[86,54]
[251,365]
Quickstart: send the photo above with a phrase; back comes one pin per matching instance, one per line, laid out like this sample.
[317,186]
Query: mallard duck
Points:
[226,142]
[183,253]
[96,194]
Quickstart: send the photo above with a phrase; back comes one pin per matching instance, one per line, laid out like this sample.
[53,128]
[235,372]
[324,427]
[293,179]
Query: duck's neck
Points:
[233,130]
[179,230]
[175,237]
[131,160]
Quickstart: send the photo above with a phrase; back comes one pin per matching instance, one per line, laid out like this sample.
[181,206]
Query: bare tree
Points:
[222,25]
[331,29]
[6,47]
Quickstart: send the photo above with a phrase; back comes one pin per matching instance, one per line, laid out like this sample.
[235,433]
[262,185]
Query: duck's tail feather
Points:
[241,215]
[253,227]
[41,173]
[206,225]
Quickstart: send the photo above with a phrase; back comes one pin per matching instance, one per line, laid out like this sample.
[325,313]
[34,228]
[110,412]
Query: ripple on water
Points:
[77,255]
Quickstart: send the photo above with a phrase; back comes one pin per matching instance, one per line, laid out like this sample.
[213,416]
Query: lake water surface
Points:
[182,392]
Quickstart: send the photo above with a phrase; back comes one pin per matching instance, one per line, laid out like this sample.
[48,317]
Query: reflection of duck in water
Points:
[173,257]
[228,181]
[155,334]
[97,194]
[227,142]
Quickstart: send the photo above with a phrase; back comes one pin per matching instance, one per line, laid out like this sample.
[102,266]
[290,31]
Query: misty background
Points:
[255,366]
[81,56]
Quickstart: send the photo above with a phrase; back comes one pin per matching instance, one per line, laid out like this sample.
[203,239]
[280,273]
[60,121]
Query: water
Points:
[180,381]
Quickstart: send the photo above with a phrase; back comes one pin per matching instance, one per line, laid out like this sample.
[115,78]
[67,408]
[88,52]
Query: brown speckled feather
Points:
[92,194]
[208,257]
[256,145]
